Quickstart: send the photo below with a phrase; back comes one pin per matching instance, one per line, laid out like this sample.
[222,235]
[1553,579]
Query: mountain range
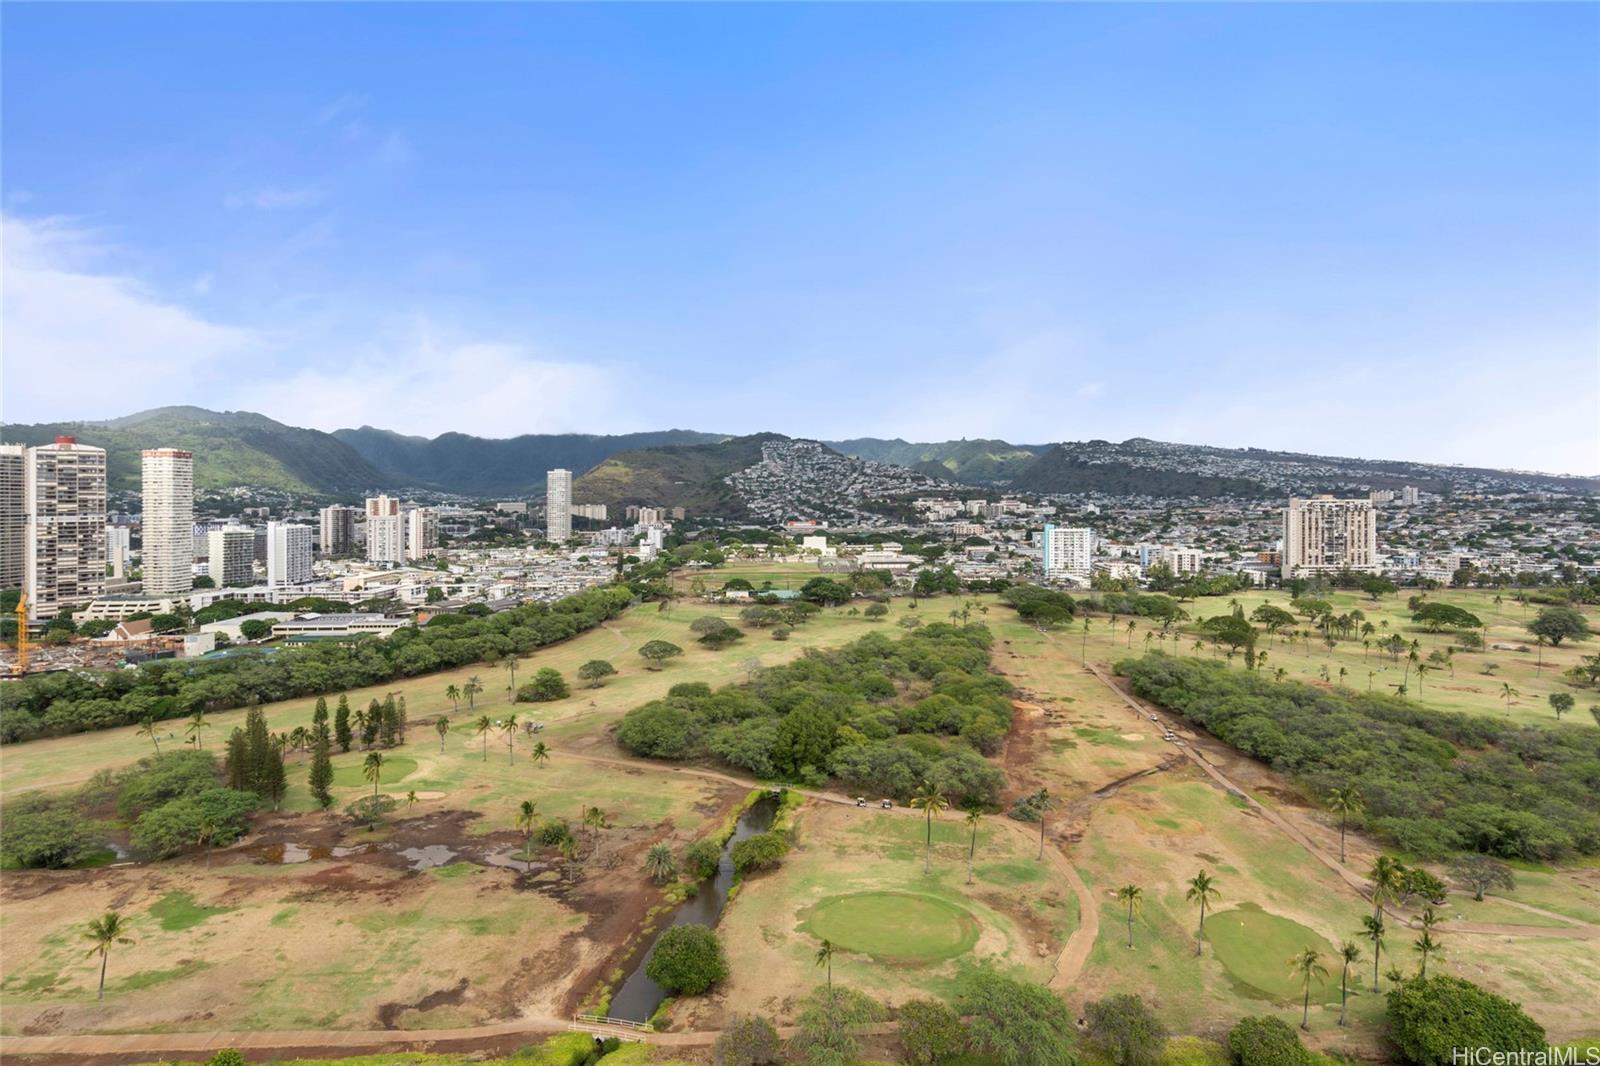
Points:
[689,468]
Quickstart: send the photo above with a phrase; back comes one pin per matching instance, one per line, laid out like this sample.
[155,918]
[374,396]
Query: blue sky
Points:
[1356,229]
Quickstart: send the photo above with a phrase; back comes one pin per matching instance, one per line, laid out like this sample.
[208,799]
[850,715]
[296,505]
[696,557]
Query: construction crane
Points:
[22,633]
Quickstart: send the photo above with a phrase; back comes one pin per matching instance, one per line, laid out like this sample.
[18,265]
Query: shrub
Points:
[551,834]
[1018,1023]
[547,684]
[1266,1041]
[595,672]
[1430,1017]
[1125,1030]
[930,1032]
[828,1021]
[701,859]
[226,1057]
[158,779]
[41,833]
[764,851]
[687,959]
[747,1041]
[171,827]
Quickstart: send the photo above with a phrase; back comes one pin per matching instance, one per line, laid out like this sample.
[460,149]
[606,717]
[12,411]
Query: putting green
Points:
[1255,947]
[395,767]
[894,925]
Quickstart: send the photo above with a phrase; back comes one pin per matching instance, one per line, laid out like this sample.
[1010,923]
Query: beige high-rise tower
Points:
[64,542]
[168,521]
[1325,535]
[386,531]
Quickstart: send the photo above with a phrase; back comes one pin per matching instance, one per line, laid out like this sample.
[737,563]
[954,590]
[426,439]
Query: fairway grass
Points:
[894,926]
[1255,948]
[350,771]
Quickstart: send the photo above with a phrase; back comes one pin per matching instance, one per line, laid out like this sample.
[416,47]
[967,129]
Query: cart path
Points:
[1576,930]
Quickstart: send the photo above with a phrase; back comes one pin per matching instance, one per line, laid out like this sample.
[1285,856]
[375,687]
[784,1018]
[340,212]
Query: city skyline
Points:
[991,215]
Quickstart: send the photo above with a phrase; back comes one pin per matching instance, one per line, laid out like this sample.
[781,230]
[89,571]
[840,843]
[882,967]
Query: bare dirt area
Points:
[313,922]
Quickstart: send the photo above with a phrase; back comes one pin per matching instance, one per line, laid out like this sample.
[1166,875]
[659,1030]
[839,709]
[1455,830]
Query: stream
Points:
[637,998]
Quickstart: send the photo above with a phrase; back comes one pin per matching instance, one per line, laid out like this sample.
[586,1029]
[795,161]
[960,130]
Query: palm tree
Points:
[1202,890]
[1349,954]
[103,932]
[511,665]
[147,728]
[453,694]
[1425,945]
[482,726]
[509,728]
[1372,929]
[197,725]
[1387,875]
[372,770]
[1044,804]
[1085,650]
[974,816]
[930,800]
[1346,800]
[1507,693]
[1308,965]
[595,819]
[540,753]
[1422,669]
[411,799]
[824,957]
[569,852]
[470,690]
[526,814]
[660,864]
[1133,897]
[442,727]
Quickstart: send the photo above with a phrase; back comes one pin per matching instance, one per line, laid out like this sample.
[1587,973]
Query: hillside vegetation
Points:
[692,476]
[231,448]
[977,462]
[459,462]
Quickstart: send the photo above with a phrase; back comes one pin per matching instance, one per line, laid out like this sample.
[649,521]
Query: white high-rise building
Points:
[64,542]
[119,545]
[422,532]
[13,523]
[1068,550]
[288,554]
[338,529]
[1325,535]
[386,531]
[167,526]
[558,505]
[230,556]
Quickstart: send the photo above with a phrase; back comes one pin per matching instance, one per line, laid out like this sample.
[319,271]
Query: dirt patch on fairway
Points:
[389,1013]
[1022,750]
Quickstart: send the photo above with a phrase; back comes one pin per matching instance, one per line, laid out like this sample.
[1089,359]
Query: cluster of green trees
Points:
[879,713]
[64,702]
[172,801]
[254,760]
[1433,782]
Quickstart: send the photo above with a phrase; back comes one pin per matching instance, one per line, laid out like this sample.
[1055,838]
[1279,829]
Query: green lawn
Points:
[1255,947]
[350,770]
[894,925]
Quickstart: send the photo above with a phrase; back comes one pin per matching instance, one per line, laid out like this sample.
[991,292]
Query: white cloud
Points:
[272,198]
[85,343]
[426,386]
